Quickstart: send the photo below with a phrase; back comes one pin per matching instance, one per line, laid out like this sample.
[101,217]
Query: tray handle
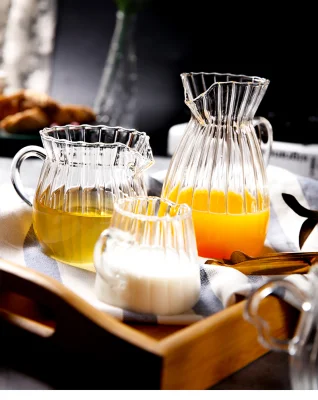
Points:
[43,306]
[52,334]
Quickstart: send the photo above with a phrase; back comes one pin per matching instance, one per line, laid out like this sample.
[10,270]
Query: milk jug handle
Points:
[23,154]
[251,313]
[115,234]
[265,135]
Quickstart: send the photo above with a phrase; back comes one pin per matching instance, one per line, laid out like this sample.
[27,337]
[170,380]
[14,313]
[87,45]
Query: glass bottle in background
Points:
[115,102]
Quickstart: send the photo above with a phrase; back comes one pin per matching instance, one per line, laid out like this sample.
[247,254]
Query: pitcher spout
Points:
[222,97]
[93,144]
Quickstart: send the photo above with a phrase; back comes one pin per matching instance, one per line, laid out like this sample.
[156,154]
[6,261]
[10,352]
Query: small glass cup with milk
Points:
[147,260]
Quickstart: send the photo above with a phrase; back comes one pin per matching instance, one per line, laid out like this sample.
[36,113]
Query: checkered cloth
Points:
[220,286]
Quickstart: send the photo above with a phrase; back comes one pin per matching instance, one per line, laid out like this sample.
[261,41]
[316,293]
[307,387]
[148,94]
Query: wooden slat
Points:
[55,296]
[157,332]
[203,354]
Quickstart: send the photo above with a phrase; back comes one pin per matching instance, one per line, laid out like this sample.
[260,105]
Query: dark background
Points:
[175,37]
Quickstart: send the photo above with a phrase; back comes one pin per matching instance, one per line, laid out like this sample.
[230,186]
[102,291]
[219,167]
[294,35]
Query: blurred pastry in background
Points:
[30,120]
[73,113]
[29,111]
[24,100]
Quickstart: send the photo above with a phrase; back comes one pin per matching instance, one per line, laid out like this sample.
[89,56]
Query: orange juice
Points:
[224,224]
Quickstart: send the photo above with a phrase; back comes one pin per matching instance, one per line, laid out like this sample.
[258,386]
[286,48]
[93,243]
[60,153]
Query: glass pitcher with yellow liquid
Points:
[86,168]
[218,168]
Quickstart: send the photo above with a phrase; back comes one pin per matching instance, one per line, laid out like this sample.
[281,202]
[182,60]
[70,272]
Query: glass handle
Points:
[119,238]
[263,328]
[264,132]
[100,245]
[23,154]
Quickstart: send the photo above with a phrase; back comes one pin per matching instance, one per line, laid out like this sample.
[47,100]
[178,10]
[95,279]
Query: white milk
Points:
[147,279]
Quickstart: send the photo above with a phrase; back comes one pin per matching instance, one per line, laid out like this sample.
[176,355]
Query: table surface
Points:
[269,372]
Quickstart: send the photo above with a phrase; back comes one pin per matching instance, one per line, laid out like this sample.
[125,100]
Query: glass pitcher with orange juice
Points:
[218,168]
[86,168]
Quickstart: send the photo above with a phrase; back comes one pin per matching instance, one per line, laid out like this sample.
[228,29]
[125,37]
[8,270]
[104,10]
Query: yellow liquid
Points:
[219,233]
[70,237]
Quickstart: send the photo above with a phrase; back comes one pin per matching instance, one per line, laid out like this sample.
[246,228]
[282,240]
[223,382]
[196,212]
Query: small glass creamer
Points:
[147,260]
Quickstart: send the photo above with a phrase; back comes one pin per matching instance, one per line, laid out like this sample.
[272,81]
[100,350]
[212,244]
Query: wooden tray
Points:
[54,335]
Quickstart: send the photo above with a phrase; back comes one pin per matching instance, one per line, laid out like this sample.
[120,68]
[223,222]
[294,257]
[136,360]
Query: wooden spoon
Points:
[310,257]
[270,264]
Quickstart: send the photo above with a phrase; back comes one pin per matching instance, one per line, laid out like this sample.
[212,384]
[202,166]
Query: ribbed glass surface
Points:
[147,260]
[155,222]
[86,169]
[218,166]
[89,165]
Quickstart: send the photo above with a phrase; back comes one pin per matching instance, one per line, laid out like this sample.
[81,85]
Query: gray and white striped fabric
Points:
[220,286]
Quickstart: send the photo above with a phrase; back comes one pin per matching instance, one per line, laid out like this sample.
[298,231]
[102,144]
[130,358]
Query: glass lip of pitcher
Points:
[144,151]
[184,211]
[234,78]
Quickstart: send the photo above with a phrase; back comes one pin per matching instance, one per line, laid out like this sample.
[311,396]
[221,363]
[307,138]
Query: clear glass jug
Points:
[218,168]
[86,168]
[303,346]
[147,260]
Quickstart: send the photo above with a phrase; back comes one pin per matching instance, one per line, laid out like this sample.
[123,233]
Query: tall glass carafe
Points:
[218,168]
